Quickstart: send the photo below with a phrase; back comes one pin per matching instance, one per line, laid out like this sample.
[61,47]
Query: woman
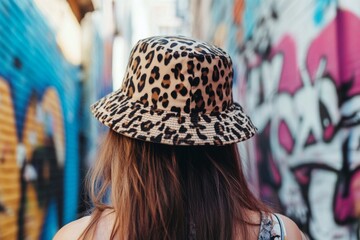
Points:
[170,160]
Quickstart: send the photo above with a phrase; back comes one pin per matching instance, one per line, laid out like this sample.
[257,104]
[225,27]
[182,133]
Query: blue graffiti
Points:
[321,7]
[31,62]
[249,19]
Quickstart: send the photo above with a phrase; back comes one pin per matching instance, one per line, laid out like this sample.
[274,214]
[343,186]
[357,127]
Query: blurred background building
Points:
[297,72]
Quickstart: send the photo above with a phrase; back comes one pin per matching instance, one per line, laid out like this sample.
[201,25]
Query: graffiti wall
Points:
[39,95]
[298,74]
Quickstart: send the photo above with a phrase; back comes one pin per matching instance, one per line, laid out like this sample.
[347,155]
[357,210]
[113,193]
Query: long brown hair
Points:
[170,192]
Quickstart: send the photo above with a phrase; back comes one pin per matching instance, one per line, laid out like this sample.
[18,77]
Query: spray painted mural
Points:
[302,86]
[298,74]
[38,132]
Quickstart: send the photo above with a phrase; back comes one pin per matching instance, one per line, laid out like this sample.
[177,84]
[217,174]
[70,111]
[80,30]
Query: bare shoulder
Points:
[292,230]
[72,230]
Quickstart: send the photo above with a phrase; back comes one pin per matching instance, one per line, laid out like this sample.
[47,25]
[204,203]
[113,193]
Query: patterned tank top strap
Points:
[271,227]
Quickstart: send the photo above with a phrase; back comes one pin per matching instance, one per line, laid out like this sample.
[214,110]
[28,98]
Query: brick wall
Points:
[39,101]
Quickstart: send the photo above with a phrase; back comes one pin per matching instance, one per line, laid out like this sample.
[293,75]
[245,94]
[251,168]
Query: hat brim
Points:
[134,120]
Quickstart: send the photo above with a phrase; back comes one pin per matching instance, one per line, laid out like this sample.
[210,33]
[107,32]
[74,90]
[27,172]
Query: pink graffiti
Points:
[346,208]
[329,132]
[290,81]
[311,139]
[285,138]
[333,56]
[339,43]
[274,170]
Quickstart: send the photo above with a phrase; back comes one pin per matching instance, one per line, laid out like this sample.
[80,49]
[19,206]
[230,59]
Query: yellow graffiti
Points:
[51,105]
[9,171]
[14,153]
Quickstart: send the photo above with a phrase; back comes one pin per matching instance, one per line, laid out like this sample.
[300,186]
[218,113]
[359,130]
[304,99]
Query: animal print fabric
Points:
[176,91]
[271,228]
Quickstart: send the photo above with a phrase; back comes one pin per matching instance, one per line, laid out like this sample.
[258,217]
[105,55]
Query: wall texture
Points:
[39,95]
[298,75]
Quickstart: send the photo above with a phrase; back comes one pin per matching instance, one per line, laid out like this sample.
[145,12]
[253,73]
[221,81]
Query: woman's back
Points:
[170,161]
[266,229]
[173,192]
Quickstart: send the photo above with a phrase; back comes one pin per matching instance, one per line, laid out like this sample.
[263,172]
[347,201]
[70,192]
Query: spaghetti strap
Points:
[282,226]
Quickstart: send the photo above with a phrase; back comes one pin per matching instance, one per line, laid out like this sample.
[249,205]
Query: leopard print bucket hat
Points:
[176,91]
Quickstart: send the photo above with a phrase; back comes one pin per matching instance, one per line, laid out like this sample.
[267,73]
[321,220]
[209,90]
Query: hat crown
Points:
[176,91]
[180,75]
